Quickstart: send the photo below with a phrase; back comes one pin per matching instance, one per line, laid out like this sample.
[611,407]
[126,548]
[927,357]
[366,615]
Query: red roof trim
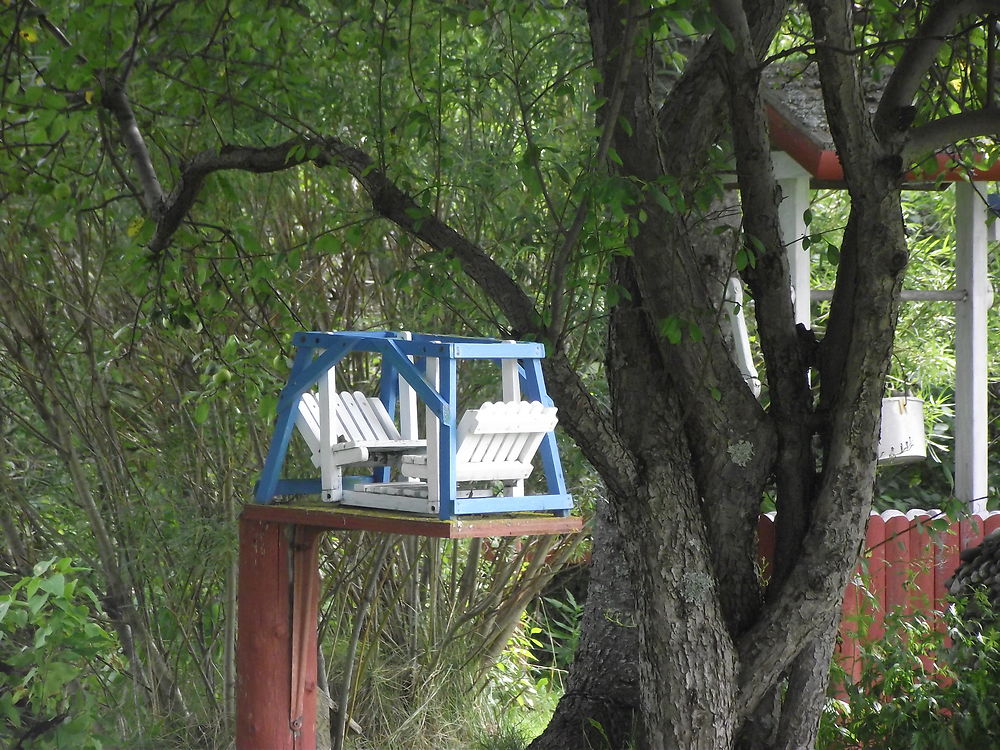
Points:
[824,164]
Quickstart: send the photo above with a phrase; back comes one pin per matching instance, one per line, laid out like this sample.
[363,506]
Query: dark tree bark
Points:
[600,706]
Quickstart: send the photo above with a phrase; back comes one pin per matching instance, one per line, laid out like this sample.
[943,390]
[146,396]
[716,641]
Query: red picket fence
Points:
[905,566]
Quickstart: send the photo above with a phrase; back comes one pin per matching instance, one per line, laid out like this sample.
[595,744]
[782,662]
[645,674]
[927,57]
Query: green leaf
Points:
[36,601]
[661,199]
[201,412]
[565,89]
[726,36]
[670,327]
[55,584]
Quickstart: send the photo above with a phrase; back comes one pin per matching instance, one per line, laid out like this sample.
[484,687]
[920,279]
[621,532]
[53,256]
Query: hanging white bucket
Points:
[902,439]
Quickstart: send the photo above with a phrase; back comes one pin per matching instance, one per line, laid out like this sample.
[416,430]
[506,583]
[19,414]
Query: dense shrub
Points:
[56,657]
[921,688]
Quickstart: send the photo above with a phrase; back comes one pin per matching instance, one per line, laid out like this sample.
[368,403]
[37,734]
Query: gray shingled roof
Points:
[792,87]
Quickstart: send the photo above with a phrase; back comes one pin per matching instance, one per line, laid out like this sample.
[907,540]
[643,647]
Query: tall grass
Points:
[440,651]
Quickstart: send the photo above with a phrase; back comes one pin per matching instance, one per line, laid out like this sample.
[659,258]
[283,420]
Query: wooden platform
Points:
[465,527]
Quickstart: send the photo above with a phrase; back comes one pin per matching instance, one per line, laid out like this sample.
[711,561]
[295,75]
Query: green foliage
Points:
[447,648]
[558,621]
[917,691]
[137,410]
[58,660]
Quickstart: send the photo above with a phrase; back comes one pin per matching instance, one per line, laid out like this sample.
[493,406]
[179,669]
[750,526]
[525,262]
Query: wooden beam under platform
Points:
[364,519]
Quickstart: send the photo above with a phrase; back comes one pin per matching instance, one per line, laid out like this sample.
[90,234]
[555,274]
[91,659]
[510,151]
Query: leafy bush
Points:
[54,659]
[917,691]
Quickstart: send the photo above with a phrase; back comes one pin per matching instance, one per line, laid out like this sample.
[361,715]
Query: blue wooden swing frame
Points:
[317,352]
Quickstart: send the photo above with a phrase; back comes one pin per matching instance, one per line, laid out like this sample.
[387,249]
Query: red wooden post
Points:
[847,645]
[850,611]
[971,531]
[262,653]
[992,523]
[921,594]
[276,644]
[305,613]
[945,563]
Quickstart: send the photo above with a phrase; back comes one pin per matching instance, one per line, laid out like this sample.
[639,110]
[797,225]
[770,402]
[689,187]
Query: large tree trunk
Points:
[599,709]
[701,449]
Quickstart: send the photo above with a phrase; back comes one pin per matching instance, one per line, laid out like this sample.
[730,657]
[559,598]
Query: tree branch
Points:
[175,209]
[608,116]
[115,100]
[949,130]
[768,278]
[842,96]
[912,67]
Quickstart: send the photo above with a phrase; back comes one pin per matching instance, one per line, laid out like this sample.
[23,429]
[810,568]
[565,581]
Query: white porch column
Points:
[794,183]
[972,277]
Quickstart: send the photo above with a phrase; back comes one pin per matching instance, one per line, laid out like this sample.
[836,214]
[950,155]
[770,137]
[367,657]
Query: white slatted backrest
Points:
[381,417]
[307,420]
[356,427]
[467,438]
[516,416]
[359,419]
[504,431]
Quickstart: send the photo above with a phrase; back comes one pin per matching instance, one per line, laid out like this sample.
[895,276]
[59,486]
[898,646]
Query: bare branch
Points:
[245,158]
[115,100]
[44,21]
[950,130]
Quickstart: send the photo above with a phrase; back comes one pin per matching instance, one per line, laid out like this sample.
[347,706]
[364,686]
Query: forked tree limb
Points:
[768,278]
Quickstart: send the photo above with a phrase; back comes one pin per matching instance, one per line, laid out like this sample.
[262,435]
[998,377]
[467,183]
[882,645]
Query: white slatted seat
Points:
[362,428]
[495,442]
